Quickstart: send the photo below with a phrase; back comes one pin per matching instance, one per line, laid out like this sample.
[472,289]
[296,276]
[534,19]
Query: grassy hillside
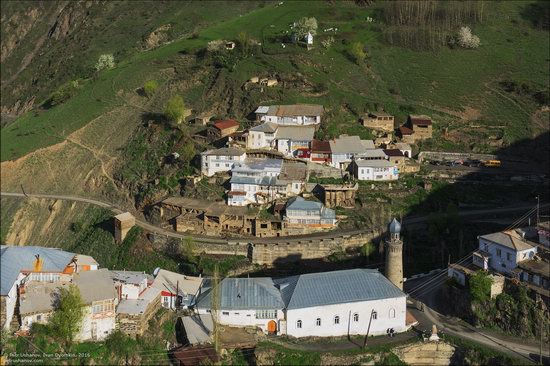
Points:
[460,88]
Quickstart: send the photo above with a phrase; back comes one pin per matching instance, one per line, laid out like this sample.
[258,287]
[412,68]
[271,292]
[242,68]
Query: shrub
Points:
[480,286]
[175,109]
[465,39]
[357,52]
[105,61]
[150,87]
[327,43]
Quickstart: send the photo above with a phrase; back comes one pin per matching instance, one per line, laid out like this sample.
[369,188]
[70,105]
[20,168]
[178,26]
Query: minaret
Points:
[394,255]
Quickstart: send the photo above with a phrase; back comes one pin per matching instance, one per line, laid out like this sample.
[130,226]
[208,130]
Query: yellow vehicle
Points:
[492,163]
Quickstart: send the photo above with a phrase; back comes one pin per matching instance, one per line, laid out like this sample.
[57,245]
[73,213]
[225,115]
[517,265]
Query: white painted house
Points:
[23,265]
[177,290]
[220,160]
[345,148]
[290,139]
[130,284]
[262,136]
[375,170]
[502,251]
[301,213]
[328,304]
[291,115]
[255,181]
[245,302]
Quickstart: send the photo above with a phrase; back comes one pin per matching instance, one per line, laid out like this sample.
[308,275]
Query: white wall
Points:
[212,164]
[103,325]
[245,318]
[327,313]
[459,276]
[11,299]
[508,258]
[130,291]
[376,174]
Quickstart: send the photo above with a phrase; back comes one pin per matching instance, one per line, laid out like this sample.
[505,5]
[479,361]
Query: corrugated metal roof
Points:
[262,109]
[15,259]
[172,281]
[225,151]
[95,285]
[296,110]
[245,293]
[133,277]
[296,133]
[374,164]
[268,127]
[318,289]
[298,203]
[509,239]
[347,144]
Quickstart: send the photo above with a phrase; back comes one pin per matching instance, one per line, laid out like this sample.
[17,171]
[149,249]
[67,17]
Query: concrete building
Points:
[328,304]
[345,148]
[300,212]
[406,134]
[502,251]
[123,223]
[380,121]
[290,139]
[394,255]
[341,303]
[245,302]
[262,136]
[421,126]
[178,291]
[220,160]
[130,284]
[22,265]
[222,128]
[375,170]
[255,181]
[292,115]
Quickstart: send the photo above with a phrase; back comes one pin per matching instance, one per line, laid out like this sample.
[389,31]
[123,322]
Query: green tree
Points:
[188,151]
[357,52]
[150,87]
[304,26]
[67,317]
[175,109]
[120,346]
[243,41]
[105,62]
[480,286]
[367,249]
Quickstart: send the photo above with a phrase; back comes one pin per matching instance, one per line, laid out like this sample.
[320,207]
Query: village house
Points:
[406,149]
[421,126]
[337,195]
[406,135]
[327,304]
[372,154]
[137,301]
[345,148]
[177,291]
[255,181]
[99,296]
[320,152]
[244,302]
[396,157]
[22,265]
[222,128]
[502,251]
[291,115]
[262,136]
[380,121]
[375,170]
[220,160]
[290,139]
[300,212]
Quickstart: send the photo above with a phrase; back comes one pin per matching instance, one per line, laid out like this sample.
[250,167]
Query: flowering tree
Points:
[105,62]
[466,39]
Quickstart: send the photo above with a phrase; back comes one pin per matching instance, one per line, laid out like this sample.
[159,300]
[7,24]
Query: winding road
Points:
[413,220]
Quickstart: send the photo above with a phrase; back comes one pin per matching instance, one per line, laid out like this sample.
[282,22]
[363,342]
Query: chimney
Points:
[37,264]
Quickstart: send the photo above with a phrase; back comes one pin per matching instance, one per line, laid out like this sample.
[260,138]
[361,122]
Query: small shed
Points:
[123,223]
[308,38]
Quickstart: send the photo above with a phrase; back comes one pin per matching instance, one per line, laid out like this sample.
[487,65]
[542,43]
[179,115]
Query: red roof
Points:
[421,120]
[223,124]
[167,293]
[320,146]
[405,131]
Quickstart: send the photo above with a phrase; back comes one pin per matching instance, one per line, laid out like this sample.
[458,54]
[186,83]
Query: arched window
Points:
[318,322]
[298,324]
[356,317]
[392,313]
[374,315]
[336,319]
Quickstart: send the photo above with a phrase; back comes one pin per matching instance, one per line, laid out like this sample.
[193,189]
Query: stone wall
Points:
[443,156]
[137,324]
[3,315]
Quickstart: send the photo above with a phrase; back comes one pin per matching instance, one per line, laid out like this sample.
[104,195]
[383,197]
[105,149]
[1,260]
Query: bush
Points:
[150,87]
[63,93]
[105,62]
[175,109]
[357,52]
[480,286]
[464,39]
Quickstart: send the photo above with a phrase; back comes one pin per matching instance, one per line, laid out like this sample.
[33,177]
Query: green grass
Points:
[401,80]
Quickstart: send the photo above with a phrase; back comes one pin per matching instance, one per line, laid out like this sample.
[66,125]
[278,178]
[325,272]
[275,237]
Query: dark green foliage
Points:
[480,286]
[63,93]
[390,359]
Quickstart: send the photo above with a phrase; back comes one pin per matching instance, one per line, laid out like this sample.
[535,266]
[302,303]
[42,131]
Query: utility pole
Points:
[368,329]
[538,208]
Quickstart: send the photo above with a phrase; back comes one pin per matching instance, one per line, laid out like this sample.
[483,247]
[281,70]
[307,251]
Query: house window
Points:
[374,315]
[225,312]
[499,253]
[299,324]
[39,317]
[392,313]
[508,256]
[266,314]
[336,319]
[318,322]
[356,317]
